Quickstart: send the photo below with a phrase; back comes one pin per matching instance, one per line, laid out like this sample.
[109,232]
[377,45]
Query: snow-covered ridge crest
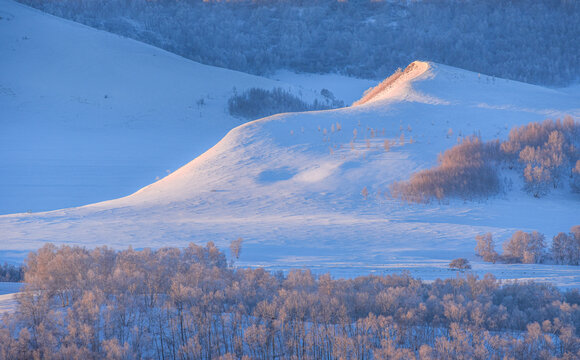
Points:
[398,86]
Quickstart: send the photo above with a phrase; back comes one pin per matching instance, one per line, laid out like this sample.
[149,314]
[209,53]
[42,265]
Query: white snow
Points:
[8,292]
[344,88]
[291,187]
[88,116]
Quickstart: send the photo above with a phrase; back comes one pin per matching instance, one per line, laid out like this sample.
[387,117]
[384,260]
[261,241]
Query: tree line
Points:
[11,273]
[191,303]
[530,248]
[546,155]
[256,103]
[368,39]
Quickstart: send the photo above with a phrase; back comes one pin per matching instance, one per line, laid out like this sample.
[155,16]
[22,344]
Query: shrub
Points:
[460,264]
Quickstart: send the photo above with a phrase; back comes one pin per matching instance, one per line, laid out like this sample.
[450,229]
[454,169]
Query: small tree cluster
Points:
[566,247]
[528,248]
[11,273]
[531,248]
[460,264]
[545,153]
[464,171]
[188,304]
[257,103]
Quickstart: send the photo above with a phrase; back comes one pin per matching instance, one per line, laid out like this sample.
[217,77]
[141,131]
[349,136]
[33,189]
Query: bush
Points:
[460,264]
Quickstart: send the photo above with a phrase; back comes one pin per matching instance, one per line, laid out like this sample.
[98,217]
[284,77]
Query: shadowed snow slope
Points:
[88,116]
[290,185]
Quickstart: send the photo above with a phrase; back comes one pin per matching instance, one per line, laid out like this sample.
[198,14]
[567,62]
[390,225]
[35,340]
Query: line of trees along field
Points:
[191,304]
[527,40]
[546,154]
[523,247]
[256,103]
[11,273]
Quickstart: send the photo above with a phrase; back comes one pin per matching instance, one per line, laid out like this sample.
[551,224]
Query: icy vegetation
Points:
[531,41]
[191,303]
[546,154]
[467,170]
[531,248]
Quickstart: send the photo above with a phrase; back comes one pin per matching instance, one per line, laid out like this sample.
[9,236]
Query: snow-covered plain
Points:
[290,185]
[88,116]
[8,291]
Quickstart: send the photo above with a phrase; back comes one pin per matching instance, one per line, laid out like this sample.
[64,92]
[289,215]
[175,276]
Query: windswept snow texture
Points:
[290,185]
[88,116]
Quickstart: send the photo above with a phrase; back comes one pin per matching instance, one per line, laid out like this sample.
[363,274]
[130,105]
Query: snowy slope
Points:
[290,185]
[89,116]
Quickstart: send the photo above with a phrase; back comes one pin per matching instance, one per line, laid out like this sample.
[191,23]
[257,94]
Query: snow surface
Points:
[290,185]
[343,87]
[89,116]
[8,291]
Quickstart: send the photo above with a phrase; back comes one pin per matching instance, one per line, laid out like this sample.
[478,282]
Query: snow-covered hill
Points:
[88,116]
[290,185]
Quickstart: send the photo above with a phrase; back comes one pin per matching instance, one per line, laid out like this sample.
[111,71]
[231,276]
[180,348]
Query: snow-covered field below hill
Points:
[8,291]
[290,185]
[89,116]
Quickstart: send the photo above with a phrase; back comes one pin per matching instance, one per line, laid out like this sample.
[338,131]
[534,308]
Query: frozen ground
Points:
[290,185]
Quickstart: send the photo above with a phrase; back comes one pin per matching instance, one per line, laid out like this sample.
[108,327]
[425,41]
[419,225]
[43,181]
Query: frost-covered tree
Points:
[350,37]
[566,247]
[186,303]
[525,247]
[486,247]
[460,263]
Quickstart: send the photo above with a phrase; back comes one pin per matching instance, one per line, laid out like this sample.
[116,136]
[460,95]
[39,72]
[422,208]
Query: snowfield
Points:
[291,184]
[8,291]
[89,116]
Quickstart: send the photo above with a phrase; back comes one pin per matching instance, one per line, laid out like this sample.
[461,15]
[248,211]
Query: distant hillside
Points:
[534,41]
